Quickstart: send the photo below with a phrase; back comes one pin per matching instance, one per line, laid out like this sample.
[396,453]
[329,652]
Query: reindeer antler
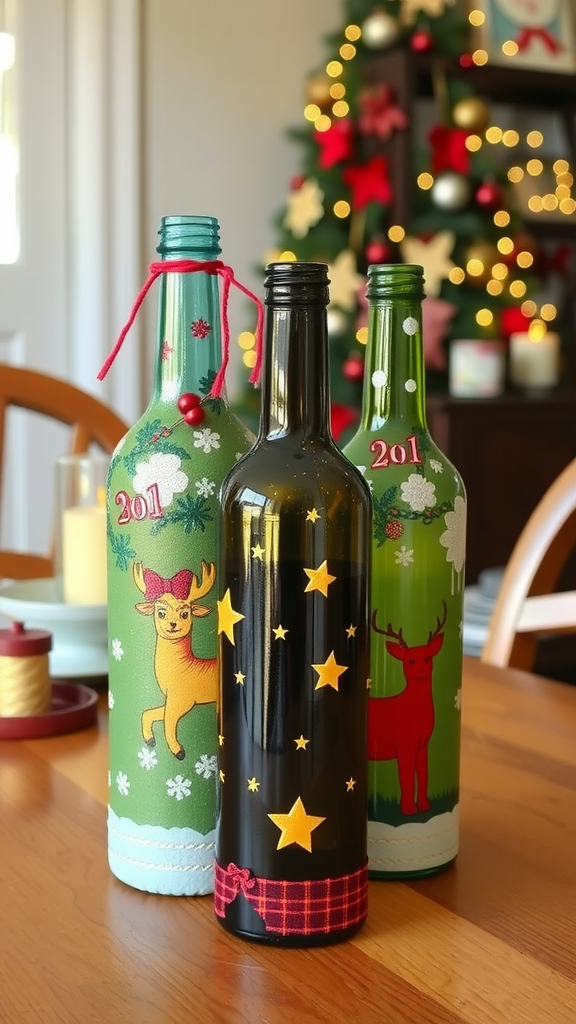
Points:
[388,631]
[439,624]
[138,574]
[198,590]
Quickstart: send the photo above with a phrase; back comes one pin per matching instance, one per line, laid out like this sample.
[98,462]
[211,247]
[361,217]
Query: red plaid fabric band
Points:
[296,908]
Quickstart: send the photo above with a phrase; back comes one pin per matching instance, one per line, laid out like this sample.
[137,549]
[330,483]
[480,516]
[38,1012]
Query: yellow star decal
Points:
[301,743]
[329,672]
[253,785]
[350,783]
[257,552]
[221,775]
[220,739]
[319,579]
[227,617]
[351,631]
[280,632]
[312,515]
[239,677]
[296,826]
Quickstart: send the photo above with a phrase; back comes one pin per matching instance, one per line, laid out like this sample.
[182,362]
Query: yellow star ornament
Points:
[304,208]
[296,826]
[433,256]
[319,579]
[344,280]
[409,9]
[329,672]
[227,617]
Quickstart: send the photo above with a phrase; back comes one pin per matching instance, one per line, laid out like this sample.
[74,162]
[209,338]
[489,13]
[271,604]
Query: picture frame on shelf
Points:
[535,35]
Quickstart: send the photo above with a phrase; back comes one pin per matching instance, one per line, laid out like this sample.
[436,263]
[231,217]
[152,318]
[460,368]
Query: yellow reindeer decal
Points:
[184,679]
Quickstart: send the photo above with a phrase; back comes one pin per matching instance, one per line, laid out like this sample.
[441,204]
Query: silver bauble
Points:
[336,322]
[379,30]
[451,191]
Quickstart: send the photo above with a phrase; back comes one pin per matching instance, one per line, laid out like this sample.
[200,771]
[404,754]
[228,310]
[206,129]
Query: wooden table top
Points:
[491,940]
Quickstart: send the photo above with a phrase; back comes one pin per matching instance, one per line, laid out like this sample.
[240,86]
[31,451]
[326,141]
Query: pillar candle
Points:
[84,554]
[534,362]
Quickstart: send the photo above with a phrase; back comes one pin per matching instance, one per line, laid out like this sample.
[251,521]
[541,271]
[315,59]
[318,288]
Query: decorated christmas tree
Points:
[375,188]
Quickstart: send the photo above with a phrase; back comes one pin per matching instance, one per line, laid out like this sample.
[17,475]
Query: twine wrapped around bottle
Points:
[25,687]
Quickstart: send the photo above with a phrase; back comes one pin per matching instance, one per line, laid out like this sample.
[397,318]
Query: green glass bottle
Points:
[418,550]
[293,619]
[163,512]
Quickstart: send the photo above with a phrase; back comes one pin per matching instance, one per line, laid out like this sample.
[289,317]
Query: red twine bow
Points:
[157,586]
[449,151]
[208,267]
[239,879]
[526,36]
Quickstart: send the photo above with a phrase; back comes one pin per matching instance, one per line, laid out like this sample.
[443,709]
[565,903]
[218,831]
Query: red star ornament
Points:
[335,144]
[449,151]
[369,182]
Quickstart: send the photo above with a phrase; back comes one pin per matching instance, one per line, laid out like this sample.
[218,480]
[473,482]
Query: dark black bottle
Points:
[293,620]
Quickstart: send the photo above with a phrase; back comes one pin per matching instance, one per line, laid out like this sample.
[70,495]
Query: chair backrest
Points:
[526,605]
[91,422]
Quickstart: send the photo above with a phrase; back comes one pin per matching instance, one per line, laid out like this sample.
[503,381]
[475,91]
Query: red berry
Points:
[353,368]
[188,401]
[194,416]
[394,529]
[378,252]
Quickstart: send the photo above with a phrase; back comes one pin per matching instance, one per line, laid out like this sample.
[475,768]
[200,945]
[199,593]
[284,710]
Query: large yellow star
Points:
[296,826]
[320,579]
[329,672]
[227,617]
[433,257]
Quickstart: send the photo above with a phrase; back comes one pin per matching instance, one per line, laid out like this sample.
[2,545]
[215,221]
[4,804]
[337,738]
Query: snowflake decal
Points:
[410,386]
[147,758]
[454,537]
[404,556]
[111,700]
[200,329]
[178,787]
[123,783]
[205,487]
[206,439]
[206,766]
[410,326]
[166,351]
[164,471]
[436,466]
[379,378]
[418,492]
[117,649]
[458,699]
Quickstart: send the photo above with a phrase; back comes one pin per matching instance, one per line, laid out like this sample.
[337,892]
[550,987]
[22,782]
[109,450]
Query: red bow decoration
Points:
[526,36]
[449,151]
[335,144]
[379,114]
[368,182]
[157,586]
[240,879]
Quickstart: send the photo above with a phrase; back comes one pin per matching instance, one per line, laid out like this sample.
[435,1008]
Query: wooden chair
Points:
[91,421]
[526,605]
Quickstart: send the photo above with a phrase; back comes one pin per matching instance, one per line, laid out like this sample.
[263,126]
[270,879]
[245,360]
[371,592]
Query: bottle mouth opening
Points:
[194,235]
[395,280]
[296,283]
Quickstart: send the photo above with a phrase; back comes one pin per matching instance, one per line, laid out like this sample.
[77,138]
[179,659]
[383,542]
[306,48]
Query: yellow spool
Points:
[25,687]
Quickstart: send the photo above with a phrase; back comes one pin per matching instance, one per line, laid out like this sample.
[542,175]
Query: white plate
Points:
[79,632]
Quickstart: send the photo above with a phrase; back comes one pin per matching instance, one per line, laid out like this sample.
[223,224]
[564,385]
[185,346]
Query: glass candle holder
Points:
[80,544]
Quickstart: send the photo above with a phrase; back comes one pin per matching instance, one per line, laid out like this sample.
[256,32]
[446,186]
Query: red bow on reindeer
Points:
[178,585]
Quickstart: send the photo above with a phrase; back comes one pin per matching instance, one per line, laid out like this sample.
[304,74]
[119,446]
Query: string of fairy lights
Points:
[501,274]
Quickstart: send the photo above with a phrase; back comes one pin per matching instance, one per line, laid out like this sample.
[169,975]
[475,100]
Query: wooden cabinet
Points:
[508,450]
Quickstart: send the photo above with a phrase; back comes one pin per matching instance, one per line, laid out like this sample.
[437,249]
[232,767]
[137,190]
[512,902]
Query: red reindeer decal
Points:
[401,726]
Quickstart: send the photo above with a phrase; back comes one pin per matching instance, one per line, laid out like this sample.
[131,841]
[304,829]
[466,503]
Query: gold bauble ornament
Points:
[318,91]
[379,30]
[472,114]
[485,253]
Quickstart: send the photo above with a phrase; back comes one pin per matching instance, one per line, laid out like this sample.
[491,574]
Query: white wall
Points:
[223,79]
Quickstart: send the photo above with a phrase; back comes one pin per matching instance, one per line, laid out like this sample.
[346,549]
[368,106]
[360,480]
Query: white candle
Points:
[84,555]
[534,362]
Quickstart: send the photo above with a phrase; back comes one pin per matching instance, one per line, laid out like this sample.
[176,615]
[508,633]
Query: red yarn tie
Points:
[228,279]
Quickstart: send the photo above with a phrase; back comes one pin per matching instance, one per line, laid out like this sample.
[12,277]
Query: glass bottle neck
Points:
[394,380]
[189,349]
[295,391]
